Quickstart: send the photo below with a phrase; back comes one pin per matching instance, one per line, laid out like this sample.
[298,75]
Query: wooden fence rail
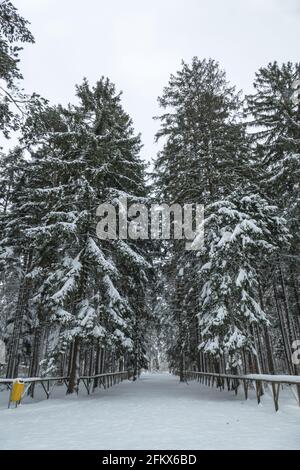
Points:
[232,382]
[90,382]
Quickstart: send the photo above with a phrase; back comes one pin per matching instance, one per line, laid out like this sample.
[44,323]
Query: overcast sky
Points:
[138,43]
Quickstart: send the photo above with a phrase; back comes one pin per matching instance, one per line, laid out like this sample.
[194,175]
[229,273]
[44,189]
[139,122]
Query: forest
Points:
[72,304]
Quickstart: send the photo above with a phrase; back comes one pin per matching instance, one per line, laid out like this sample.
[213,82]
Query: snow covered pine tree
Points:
[82,290]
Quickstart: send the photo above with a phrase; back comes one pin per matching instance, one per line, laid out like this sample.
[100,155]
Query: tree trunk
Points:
[74,372]
[14,353]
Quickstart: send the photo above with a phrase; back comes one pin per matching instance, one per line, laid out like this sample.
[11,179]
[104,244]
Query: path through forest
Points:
[156,412]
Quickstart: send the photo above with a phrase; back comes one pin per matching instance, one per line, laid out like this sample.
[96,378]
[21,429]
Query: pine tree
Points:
[13,31]
[238,231]
[274,111]
[203,160]
[90,293]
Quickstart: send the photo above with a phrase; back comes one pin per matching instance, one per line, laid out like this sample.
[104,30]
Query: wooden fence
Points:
[232,382]
[90,382]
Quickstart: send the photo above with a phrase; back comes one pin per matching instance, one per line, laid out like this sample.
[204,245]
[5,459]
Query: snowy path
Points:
[156,412]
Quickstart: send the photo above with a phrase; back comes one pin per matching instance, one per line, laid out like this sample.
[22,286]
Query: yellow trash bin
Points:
[16,391]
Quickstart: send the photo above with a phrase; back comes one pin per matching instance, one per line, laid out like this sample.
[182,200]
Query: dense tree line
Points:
[71,303]
[234,303]
[74,304]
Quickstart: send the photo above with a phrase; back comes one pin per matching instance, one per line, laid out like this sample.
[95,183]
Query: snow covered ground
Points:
[156,412]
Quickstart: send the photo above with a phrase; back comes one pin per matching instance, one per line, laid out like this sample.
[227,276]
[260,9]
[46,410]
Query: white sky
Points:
[138,44]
